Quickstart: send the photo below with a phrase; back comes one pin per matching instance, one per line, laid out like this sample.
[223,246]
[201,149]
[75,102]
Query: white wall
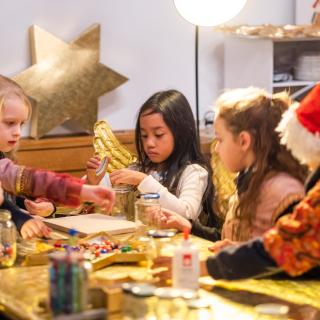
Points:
[145,40]
[304,11]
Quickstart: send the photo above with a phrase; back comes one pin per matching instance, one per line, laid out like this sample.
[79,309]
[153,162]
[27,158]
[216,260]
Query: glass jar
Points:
[124,203]
[8,240]
[147,212]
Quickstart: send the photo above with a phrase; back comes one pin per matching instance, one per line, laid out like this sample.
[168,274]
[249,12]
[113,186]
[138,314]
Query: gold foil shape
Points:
[107,145]
[66,80]
[223,181]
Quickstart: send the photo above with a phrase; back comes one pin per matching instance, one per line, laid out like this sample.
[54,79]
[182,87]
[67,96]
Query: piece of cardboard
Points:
[87,224]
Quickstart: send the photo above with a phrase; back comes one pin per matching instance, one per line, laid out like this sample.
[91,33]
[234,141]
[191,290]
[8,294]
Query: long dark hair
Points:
[177,114]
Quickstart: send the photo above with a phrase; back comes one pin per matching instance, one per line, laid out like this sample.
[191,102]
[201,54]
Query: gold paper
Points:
[223,181]
[66,80]
[294,291]
[107,145]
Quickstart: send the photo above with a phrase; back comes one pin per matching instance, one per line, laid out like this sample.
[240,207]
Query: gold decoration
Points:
[294,291]
[66,80]
[223,181]
[107,145]
[272,31]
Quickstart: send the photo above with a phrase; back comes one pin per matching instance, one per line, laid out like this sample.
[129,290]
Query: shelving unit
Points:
[253,61]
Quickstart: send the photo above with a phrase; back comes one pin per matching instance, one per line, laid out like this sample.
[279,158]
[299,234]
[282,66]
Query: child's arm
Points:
[248,260]
[26,225]
[170,219]
[60,188]
[192,184]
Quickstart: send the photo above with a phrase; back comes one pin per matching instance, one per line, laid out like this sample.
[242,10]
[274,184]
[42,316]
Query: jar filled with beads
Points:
[8,240]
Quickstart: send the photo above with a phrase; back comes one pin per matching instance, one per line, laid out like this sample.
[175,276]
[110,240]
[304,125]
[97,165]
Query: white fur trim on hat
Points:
[303,144]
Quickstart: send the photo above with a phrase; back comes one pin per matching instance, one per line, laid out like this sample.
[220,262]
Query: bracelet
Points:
[19,180]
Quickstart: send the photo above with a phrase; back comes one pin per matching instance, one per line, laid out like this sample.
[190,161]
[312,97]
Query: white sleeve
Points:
[191,187]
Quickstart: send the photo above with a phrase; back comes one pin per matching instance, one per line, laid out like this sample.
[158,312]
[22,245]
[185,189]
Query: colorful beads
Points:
[95,250]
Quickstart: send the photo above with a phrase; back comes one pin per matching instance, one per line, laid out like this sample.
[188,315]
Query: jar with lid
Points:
[8,240]
[147,212]
[124,202]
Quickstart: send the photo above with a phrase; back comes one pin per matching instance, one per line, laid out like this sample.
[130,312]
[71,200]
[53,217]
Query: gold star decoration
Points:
[66,80]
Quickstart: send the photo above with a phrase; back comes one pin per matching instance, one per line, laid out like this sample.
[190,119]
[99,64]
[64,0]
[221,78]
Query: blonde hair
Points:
[9,88]
[255,111]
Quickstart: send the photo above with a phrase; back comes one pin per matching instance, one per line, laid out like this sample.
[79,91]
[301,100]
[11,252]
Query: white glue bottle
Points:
[186,265]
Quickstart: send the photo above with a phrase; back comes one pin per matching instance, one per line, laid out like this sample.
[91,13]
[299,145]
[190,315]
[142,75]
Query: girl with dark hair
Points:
[169,157]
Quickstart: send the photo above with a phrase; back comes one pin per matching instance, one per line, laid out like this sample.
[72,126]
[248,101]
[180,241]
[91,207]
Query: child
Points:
[293,244]
[14,112]
[169,157]
[269,179]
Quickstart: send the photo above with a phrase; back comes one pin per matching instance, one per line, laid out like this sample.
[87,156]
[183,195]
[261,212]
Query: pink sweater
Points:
[60,188]
[276,194]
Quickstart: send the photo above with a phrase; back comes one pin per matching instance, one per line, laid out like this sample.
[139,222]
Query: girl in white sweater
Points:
[169,158]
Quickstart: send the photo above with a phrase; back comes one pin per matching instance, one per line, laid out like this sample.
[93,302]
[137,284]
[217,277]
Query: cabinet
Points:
[253,61]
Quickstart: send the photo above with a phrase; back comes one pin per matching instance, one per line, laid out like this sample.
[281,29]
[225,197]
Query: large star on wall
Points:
[66,80]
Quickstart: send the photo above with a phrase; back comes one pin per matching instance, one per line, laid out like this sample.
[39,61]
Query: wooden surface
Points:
[70,154]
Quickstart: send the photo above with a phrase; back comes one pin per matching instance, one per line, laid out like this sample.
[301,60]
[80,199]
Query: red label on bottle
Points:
[187,260]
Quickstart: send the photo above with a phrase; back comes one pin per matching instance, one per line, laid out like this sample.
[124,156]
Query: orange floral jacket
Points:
[294,243]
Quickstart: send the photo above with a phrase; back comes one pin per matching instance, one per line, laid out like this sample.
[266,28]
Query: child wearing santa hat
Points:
[293,245]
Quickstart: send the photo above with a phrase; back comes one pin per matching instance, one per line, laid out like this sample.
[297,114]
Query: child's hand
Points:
[39,207]
[170,219]
[92,166]
[126,176]
[100,195]
[34,228]
[219,245]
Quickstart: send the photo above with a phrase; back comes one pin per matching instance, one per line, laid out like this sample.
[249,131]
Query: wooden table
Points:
[24,295]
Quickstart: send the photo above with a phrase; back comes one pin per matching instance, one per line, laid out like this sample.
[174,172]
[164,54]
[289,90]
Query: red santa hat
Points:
[300,128]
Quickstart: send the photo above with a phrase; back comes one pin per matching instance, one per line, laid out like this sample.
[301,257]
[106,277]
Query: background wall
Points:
[145,40]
